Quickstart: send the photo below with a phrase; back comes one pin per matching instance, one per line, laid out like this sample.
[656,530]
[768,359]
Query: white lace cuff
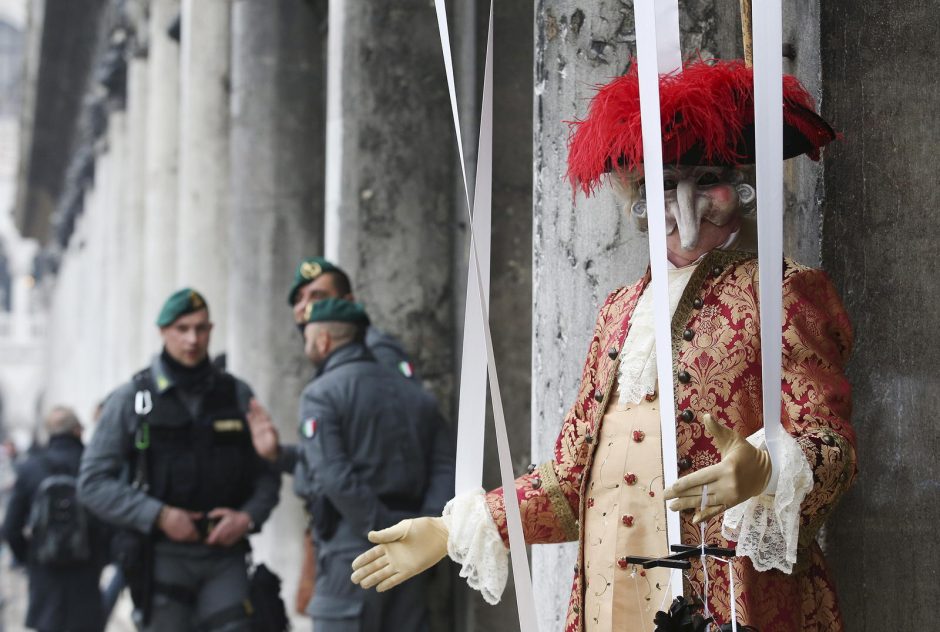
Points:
[474,542]
[767,527]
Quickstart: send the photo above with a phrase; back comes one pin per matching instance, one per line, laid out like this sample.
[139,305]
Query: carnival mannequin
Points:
[604,485]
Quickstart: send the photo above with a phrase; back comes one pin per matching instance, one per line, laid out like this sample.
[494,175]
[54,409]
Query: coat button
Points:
[688,334]
[697,303]
[687,415]
[531,468]
[622,563]
[828,440]
[684,377]
[589,438]
[629,478]
[627,520]
[599,396]
[536,483]
[612,353]
[638,436]
[685,463]
[716,271]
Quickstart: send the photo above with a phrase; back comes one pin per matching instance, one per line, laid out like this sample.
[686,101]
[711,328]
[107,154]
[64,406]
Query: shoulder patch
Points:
[308,428]
[406,369]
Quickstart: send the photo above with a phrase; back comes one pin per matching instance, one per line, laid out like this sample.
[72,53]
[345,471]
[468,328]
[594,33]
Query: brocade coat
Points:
[722,363]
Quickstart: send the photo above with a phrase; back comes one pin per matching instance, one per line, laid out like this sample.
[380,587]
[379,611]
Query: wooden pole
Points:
[747,33]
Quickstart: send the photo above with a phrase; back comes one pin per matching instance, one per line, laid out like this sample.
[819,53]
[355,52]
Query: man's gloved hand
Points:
[404,550]
[743,473]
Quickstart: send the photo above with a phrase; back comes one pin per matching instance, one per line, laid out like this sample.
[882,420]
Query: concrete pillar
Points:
[116,253]
[879,245]
[582,250]
[277,151]
[159,276]
[389,214]
[203,219]
[134,354]
[511,272]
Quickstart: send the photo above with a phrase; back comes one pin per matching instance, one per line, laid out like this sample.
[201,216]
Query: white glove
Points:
[743,473]
[410,547]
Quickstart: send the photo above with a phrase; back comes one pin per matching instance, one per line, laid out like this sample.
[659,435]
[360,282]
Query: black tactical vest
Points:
[200,463]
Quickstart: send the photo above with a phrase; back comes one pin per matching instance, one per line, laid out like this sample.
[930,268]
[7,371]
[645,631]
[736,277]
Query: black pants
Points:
[338,605]
[192,590]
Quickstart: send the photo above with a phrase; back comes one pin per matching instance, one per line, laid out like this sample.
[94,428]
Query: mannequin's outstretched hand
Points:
[743,473]
[402,551]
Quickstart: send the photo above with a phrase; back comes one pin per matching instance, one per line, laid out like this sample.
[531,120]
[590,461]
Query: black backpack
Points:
[267,611]
[58,524]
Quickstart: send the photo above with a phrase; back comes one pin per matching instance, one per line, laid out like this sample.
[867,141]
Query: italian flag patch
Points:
[406,369]
[308,428]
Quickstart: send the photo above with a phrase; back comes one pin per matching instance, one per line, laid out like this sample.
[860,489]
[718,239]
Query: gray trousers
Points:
[338,605]
[192,590]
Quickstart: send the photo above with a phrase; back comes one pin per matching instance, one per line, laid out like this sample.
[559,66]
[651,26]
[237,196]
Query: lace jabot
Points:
[638,362]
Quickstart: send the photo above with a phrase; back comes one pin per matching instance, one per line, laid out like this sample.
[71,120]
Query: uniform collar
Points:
[350,352]
[163,376]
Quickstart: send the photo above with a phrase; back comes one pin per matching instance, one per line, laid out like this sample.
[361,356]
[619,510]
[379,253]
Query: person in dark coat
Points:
[374,450]
[61,598]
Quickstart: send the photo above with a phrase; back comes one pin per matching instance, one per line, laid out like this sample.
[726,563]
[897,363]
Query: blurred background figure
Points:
[64,548]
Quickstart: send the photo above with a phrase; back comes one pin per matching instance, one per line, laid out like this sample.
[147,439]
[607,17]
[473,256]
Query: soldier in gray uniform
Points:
[374,451]
[204,487]
[316,279]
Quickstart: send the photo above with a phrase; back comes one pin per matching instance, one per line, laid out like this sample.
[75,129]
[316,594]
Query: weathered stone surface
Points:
[879,245]
[277,170]
[162,164]
[202,247]
[511,272]
[393,208]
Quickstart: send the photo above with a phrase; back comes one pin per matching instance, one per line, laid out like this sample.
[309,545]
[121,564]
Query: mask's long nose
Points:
[686,216]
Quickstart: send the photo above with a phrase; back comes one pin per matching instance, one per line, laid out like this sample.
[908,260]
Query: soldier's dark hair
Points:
[340,282]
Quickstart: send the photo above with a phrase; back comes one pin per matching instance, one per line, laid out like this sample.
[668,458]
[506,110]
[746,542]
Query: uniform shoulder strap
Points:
[143,405]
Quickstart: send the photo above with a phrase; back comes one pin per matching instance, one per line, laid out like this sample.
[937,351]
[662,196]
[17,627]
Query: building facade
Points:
[214,143]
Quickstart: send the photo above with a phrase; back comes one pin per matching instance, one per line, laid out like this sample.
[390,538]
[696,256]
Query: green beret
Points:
[308,270]
[180,303]
[336,310]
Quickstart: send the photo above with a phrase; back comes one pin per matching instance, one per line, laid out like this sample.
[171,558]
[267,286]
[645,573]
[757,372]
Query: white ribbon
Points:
[768,117]
[646,53]
[468,469]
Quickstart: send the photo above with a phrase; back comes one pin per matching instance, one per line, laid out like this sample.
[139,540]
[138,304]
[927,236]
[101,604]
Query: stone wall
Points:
[879,245]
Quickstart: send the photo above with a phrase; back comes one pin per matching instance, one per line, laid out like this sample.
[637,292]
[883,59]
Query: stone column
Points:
[880,245]
[277,151]
[389,184]
[115,252]
[159,276]
[511,271]
[203,218]
[582,249]
[134,354]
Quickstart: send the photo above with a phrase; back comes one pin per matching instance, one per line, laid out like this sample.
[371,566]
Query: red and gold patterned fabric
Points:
[722,362]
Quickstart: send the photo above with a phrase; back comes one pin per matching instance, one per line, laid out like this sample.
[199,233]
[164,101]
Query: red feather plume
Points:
[706,109]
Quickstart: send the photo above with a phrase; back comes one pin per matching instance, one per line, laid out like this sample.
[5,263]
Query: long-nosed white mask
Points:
[697,193]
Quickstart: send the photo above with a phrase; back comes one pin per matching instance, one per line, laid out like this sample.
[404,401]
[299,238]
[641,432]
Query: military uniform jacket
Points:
[388,352]
[374,445]
[104,485]
[716,351]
